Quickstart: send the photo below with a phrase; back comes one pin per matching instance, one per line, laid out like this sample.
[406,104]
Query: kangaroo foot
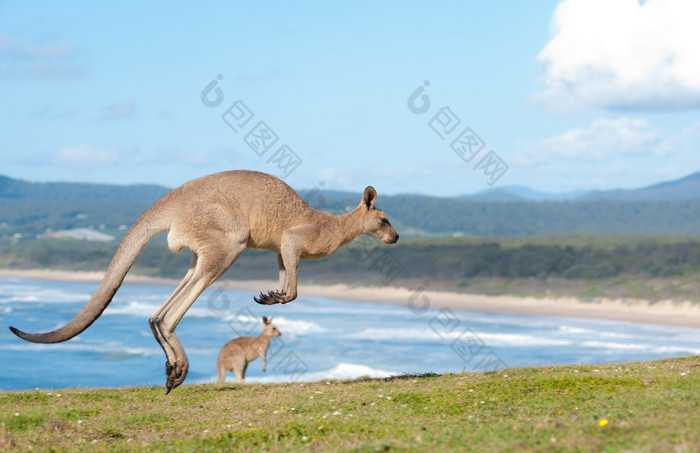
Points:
[271,298]
[176,373]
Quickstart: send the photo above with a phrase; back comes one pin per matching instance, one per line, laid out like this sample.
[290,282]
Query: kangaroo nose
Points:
[396,238]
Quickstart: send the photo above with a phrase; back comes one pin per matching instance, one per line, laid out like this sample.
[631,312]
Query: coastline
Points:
[681,314]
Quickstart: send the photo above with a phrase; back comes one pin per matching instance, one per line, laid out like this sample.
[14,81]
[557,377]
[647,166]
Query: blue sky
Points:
[554,95]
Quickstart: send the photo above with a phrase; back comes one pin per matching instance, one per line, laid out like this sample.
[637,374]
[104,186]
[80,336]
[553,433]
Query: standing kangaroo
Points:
[239,352]
[218,217]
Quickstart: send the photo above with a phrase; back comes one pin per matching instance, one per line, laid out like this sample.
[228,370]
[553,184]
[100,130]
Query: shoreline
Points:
[670,313]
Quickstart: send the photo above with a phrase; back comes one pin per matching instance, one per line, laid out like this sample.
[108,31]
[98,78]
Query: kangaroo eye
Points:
[385,221]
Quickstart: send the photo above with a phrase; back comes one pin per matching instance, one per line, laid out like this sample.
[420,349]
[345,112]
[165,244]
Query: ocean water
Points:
[321,338]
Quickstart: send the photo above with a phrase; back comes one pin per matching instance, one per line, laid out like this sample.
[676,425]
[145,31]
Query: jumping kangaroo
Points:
[218,217]
[239,352]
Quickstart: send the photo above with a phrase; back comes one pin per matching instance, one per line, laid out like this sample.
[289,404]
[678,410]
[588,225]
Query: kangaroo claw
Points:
[176,374]
[271,298]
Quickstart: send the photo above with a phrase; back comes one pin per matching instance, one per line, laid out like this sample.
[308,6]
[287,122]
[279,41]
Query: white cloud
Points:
[622,54]
[118,110]
[50,57]
[604,139]
[51,47]
[48,112]
[85,157]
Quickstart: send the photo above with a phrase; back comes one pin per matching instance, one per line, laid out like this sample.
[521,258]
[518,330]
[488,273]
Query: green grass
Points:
[650,406]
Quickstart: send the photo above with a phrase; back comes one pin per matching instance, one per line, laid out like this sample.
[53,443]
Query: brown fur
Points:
[239,352]
[218,217]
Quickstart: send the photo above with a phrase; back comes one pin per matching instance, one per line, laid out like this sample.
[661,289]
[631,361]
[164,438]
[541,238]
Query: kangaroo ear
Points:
[368,198]
[265,321]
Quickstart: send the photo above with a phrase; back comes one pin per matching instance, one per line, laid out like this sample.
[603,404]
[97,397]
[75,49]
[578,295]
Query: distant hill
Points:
[685,188]
[521,193]
[494,195]
[62,191]
[29,209]
[681,189]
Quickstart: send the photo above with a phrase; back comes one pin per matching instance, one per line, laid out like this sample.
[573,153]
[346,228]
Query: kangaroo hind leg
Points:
[154,322]
[240,368]
[221,372]
[210,263]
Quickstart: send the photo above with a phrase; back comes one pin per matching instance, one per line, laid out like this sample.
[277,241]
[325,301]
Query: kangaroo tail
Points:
[144,229]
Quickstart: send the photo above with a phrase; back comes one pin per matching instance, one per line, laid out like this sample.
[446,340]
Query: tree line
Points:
[442,260]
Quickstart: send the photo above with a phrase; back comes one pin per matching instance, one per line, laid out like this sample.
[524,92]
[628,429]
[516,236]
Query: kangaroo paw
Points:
[271,298]
[176,373]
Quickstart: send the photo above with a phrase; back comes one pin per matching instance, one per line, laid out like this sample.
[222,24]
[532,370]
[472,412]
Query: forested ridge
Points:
[33,208]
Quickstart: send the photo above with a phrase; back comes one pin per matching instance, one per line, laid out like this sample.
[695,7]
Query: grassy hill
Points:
[650,406]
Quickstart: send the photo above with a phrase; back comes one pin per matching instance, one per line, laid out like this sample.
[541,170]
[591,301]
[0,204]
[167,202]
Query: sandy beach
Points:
[685,314]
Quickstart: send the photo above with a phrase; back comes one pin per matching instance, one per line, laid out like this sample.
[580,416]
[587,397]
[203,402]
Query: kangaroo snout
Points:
[392,239]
